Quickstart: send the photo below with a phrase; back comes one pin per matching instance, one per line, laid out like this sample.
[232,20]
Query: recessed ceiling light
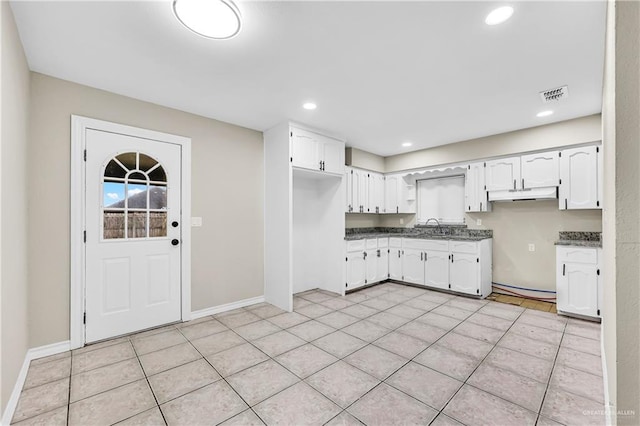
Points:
[309,105]
[407,144]
[217,19]
[544,113]
[499,15]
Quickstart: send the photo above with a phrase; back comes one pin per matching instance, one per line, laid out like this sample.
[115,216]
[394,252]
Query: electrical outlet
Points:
[401,221]
[479,222]
[532,247]
[196,222]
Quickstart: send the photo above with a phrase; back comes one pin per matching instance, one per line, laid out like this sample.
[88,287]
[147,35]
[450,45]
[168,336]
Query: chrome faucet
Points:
[437,223]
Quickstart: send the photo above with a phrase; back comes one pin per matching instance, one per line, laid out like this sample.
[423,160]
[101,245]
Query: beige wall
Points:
[227,192]
[627,211]
[14,86]
[357,158]
[579,130]
[609,210]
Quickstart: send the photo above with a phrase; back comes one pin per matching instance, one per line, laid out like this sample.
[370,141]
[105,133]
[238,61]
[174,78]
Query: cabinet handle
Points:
[480,205]
[522,183]
[565,204]
[397,209]
[451,257]
[514,184]
[425,256]
[321,165]
[563,269]
[421,257]
[365,255]
[398,254]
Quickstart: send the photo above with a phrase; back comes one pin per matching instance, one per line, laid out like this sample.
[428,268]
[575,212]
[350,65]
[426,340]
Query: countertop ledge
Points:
[450,233]
[579,239]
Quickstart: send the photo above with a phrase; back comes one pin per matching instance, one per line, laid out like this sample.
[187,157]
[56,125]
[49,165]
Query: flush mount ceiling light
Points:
[407,144]
[309,106]
[499,15]
[544,113]
[217,19]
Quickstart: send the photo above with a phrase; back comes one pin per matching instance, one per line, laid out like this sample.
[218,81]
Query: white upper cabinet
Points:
[475,192]
[391,194]
[376,193]
[360,198]
[579,181]
[540,170]
[503,174]
[312,151]
[348,179]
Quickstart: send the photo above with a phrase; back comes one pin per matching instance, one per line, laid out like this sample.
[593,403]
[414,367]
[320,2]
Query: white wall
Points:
[14,87]
[227,190]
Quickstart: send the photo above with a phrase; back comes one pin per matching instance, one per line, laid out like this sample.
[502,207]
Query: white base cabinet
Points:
[367,262]
[395,259]
[578,280]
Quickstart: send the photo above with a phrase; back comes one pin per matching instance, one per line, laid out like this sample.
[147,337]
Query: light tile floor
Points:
[389,354]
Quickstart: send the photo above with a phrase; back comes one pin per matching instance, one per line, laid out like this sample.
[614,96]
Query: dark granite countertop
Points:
[579,239]
[456,232]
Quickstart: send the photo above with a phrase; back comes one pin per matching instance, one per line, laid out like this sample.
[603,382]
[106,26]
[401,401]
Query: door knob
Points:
[175,242]
[174,224]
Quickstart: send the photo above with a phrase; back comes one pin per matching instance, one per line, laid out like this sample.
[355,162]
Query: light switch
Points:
[478,222]
[532,247]
[196,222]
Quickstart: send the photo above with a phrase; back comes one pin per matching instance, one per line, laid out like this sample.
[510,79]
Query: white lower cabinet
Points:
[413,266]
[437,269]
[578,282]
[463,276]
[460,266]
[395,259]
[367,262]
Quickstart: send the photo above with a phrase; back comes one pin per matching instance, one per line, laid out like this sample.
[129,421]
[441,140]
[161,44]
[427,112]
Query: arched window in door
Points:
[134,197]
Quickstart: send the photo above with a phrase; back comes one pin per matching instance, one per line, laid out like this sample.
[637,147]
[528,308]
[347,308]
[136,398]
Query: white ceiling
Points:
[381,72]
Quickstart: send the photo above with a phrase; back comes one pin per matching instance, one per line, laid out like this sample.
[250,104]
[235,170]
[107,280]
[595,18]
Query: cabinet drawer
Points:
[372,243]
[355,245]
[414,243]
[383,243]
[577,255]
[395,242]
[436,245]
[470,247]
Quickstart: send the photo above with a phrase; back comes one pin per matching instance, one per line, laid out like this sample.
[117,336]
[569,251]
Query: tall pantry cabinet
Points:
[304,205]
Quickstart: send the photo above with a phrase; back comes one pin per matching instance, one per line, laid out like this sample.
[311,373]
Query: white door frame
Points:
[79,127]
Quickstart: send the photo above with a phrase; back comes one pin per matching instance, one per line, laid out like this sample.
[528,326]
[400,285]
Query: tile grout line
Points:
[146,377]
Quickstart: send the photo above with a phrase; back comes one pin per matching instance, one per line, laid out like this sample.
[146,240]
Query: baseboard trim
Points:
[226,307]
[33,353]
[605,380]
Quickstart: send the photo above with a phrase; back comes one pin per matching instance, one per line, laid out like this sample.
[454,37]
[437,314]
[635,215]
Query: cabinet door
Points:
[463,273]
[370,206]
[540,170]
[395,264]
[371,263]
[437,269]
[503,174]
[413,266]
[363,190]
[348,206]
[356,270]
[391,194]
[577,289]
[474,189]
[376,193]
[382,265]
[579,176]
[305,148]
[332,153]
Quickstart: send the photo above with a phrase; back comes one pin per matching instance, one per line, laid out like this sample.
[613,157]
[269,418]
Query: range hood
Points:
[549,193]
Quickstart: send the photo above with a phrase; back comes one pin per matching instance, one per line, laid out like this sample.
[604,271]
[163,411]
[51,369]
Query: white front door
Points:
[133,230]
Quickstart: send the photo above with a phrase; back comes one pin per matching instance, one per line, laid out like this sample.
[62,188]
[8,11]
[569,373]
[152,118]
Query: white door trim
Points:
[79,125]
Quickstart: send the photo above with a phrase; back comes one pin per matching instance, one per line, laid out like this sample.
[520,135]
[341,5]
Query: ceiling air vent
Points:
[557,94]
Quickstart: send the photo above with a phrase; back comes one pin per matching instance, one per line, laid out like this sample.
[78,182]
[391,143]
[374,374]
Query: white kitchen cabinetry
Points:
[313,151]
[348,179]
[367,262]
[463,276]
[579,178]
[376,193]
[540,170]
[578,283]
[413,266]
[503,174]
[399,195]
[475,190]
[395,258]
[303,213]
[436,269]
